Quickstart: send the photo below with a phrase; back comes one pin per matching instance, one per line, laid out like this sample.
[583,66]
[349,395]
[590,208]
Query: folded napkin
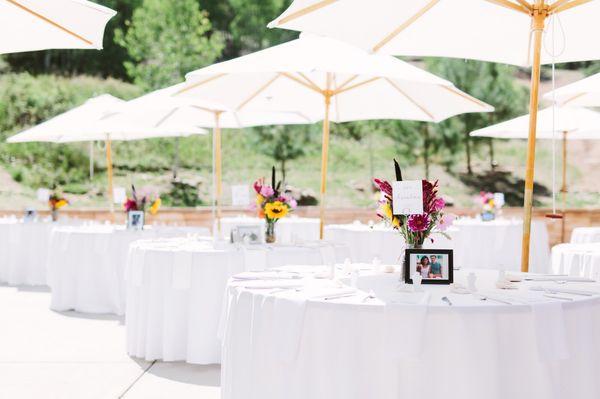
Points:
[266,275]
[332,293]
[267,284]
[405,322]
[182,270]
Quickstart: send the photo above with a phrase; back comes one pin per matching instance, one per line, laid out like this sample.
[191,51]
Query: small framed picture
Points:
[135,220]
[247,234]
[30,215]
[434,265]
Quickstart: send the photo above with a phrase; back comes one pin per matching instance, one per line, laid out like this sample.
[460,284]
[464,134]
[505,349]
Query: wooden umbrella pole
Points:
[324,156]
[563,189]
[217,168]
[109,172]
[540,13]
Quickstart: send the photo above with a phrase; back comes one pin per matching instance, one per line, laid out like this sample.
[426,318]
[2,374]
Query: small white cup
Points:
[417,279]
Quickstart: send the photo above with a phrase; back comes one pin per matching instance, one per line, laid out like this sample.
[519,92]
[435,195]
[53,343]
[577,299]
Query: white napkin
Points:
[404,326]
[288,312]
[255,259]
[549,325]
[266,275]
[182,270]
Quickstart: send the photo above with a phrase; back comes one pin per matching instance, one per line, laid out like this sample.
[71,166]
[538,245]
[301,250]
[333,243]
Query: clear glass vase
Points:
[270,233]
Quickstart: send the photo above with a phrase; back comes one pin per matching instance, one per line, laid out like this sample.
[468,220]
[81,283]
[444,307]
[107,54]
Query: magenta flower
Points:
[130,205]
[267,191]
[446,222]
[384,186]
[418,223]
[257,186]
[438,204]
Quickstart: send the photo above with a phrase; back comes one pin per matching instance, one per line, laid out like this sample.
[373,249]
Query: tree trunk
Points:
[468,151]
[426,149]
[492,160]
[176,158]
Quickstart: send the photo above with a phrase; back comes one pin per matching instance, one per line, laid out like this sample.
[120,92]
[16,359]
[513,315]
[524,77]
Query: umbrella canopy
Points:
[324,79]
[486,30]
[30,25]
[507,31]
[583,93]
[576,123]
[93,120]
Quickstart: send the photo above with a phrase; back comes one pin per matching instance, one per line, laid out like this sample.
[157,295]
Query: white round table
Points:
[295,344]
[577,260]
[23,249]
[367,242]
[175,291]
[288,230]
[86,265]
[476,244]
[582,235]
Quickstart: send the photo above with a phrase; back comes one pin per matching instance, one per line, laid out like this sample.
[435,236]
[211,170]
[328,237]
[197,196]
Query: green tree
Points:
[283,143]
[493,83]
[167,39]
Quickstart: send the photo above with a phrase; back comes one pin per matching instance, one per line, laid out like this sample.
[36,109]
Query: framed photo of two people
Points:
[434,265]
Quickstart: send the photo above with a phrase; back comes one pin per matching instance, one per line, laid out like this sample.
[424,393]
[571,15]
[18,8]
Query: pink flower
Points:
[446,222]
[267,191]
[418,223]
[130,205]
[293,203]
[438,204]
[257,186]
[384,186]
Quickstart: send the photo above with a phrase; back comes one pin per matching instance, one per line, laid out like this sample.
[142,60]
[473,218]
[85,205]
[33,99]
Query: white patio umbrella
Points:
[324,79]
[583,93]
[567,123]
[30,25]
[161,107]
[507,31]
[91,122]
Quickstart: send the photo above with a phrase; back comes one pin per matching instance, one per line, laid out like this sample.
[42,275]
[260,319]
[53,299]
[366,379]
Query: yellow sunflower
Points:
[155,206]
[276,210]
[61,203]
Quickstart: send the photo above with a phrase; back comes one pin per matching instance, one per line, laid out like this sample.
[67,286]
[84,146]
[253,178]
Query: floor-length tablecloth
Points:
[583,235]
[282,344]
[577,260]
[476,244]
[288,230]
[23,249]
[86,265]
[175,291]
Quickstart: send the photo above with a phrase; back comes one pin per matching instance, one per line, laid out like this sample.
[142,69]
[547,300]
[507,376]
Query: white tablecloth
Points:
[476,244]
[288,230]
[23,249]
[284,344]
[582,235]
[577,260]
[86,265]
[175,292]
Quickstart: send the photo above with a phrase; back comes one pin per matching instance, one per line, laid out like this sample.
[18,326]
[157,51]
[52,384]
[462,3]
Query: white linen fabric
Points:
[409,345]
[582,235]
[582,260]
[288,230]
[476,244]
[86,265]
[24,248]
[175,292]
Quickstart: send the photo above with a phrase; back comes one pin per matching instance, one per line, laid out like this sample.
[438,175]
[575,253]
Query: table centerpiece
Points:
[272,204]
[136,206]
[56,201]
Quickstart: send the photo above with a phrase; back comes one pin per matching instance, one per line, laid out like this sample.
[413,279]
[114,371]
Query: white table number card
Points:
[240,195]
[119,195]
[499,200]
[407,197]
[43,194]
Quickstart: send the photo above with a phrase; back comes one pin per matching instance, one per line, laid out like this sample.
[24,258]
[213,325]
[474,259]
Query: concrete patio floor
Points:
[56,355]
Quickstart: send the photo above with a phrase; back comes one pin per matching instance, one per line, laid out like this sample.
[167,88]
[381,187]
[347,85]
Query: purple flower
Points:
[418,223]
[446,222]
[438,204]
[267,191]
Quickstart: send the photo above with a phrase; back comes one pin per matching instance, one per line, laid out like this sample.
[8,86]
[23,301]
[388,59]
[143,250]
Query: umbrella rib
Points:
[466,96]
[306,10]
[300,81]
[572,98]
[257,92]
[49,21]
[350,79]
[198,84]
[354,86]
[560,8]
[167,116]
[315,86]
[527,9]
[409,98]
[404,25]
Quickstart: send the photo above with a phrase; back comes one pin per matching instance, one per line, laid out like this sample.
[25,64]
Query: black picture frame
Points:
[408,256]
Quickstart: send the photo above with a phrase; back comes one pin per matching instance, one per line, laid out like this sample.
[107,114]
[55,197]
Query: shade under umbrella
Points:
[507,31]
[30,25]
[566,123]
[324,79]
[583,93]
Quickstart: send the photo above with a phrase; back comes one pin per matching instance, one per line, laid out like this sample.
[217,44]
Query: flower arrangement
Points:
[415,228]
[56,201]
[488,205]
[139,201]
[272,204]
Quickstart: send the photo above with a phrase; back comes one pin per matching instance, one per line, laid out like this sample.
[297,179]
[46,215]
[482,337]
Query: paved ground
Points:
[52,355]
